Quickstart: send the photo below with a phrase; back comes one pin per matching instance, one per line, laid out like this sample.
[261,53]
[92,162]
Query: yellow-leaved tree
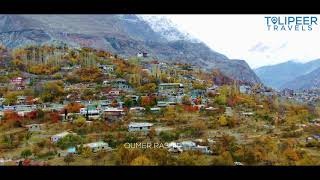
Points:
[223,120]
[142,161]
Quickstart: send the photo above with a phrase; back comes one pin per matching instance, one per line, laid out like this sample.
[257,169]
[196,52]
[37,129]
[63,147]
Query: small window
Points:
[140,128]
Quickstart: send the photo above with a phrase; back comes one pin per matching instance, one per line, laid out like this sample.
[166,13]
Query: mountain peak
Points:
[167,28]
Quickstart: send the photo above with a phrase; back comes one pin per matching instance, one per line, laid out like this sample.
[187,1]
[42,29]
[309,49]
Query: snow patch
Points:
[167,29]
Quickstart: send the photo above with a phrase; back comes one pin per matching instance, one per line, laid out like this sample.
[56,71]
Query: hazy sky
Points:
[247,37]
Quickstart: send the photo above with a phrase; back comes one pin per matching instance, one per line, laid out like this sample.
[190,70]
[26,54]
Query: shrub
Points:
[312,143]
[168,136]
[131,139]
[69,141]
[26,153]
[80,121]
[292,134]
[223,121]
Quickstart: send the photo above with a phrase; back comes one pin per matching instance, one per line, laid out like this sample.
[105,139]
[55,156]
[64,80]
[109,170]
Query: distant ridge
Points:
[278,76]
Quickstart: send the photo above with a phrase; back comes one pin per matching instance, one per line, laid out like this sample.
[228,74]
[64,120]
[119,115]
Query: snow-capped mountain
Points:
[168,29]
[124,35]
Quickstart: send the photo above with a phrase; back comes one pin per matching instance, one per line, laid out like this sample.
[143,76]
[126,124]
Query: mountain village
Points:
[82,106]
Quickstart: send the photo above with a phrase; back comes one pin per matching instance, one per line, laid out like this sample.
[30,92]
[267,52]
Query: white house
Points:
[93,113]
[166,89]
[139,54]
[114,93]
[187,145]
[162,104]
[34,127]
[106,82]
[2,100]
[21,99]
[107,68]
[238,163]
[97,146]
[57,137]
[142,54]
[22,110]
[121,84]
[247,113]
[229,111]
[90,110]
[9,108]
[139,126]
[137,110]
[175,147]
[63,153]
[155,109]
[113,113]
[133,97]
[203,149]
[211,108]
[1,115]
[66,68]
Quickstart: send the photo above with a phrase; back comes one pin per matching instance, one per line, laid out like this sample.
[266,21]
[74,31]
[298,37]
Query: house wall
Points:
[34,128]
[55,139]
[145,128]
[99,148]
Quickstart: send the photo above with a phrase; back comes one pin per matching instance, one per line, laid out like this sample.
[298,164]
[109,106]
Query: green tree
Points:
[128,102]
[11,97]
[147,88]
[167,136]
[221,99]
[69,141]
[52,91]
[26,153]
[8,140]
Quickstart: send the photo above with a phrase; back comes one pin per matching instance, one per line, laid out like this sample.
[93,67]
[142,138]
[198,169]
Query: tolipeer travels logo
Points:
[291,23]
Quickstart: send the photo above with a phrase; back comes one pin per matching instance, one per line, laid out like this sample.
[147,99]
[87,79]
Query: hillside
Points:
[124,35]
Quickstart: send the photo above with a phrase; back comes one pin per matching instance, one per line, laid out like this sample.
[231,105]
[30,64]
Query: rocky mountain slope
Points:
[124,35]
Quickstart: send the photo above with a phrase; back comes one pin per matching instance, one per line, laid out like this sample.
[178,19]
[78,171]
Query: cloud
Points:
[252,42]
[283,45]
[259,47]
